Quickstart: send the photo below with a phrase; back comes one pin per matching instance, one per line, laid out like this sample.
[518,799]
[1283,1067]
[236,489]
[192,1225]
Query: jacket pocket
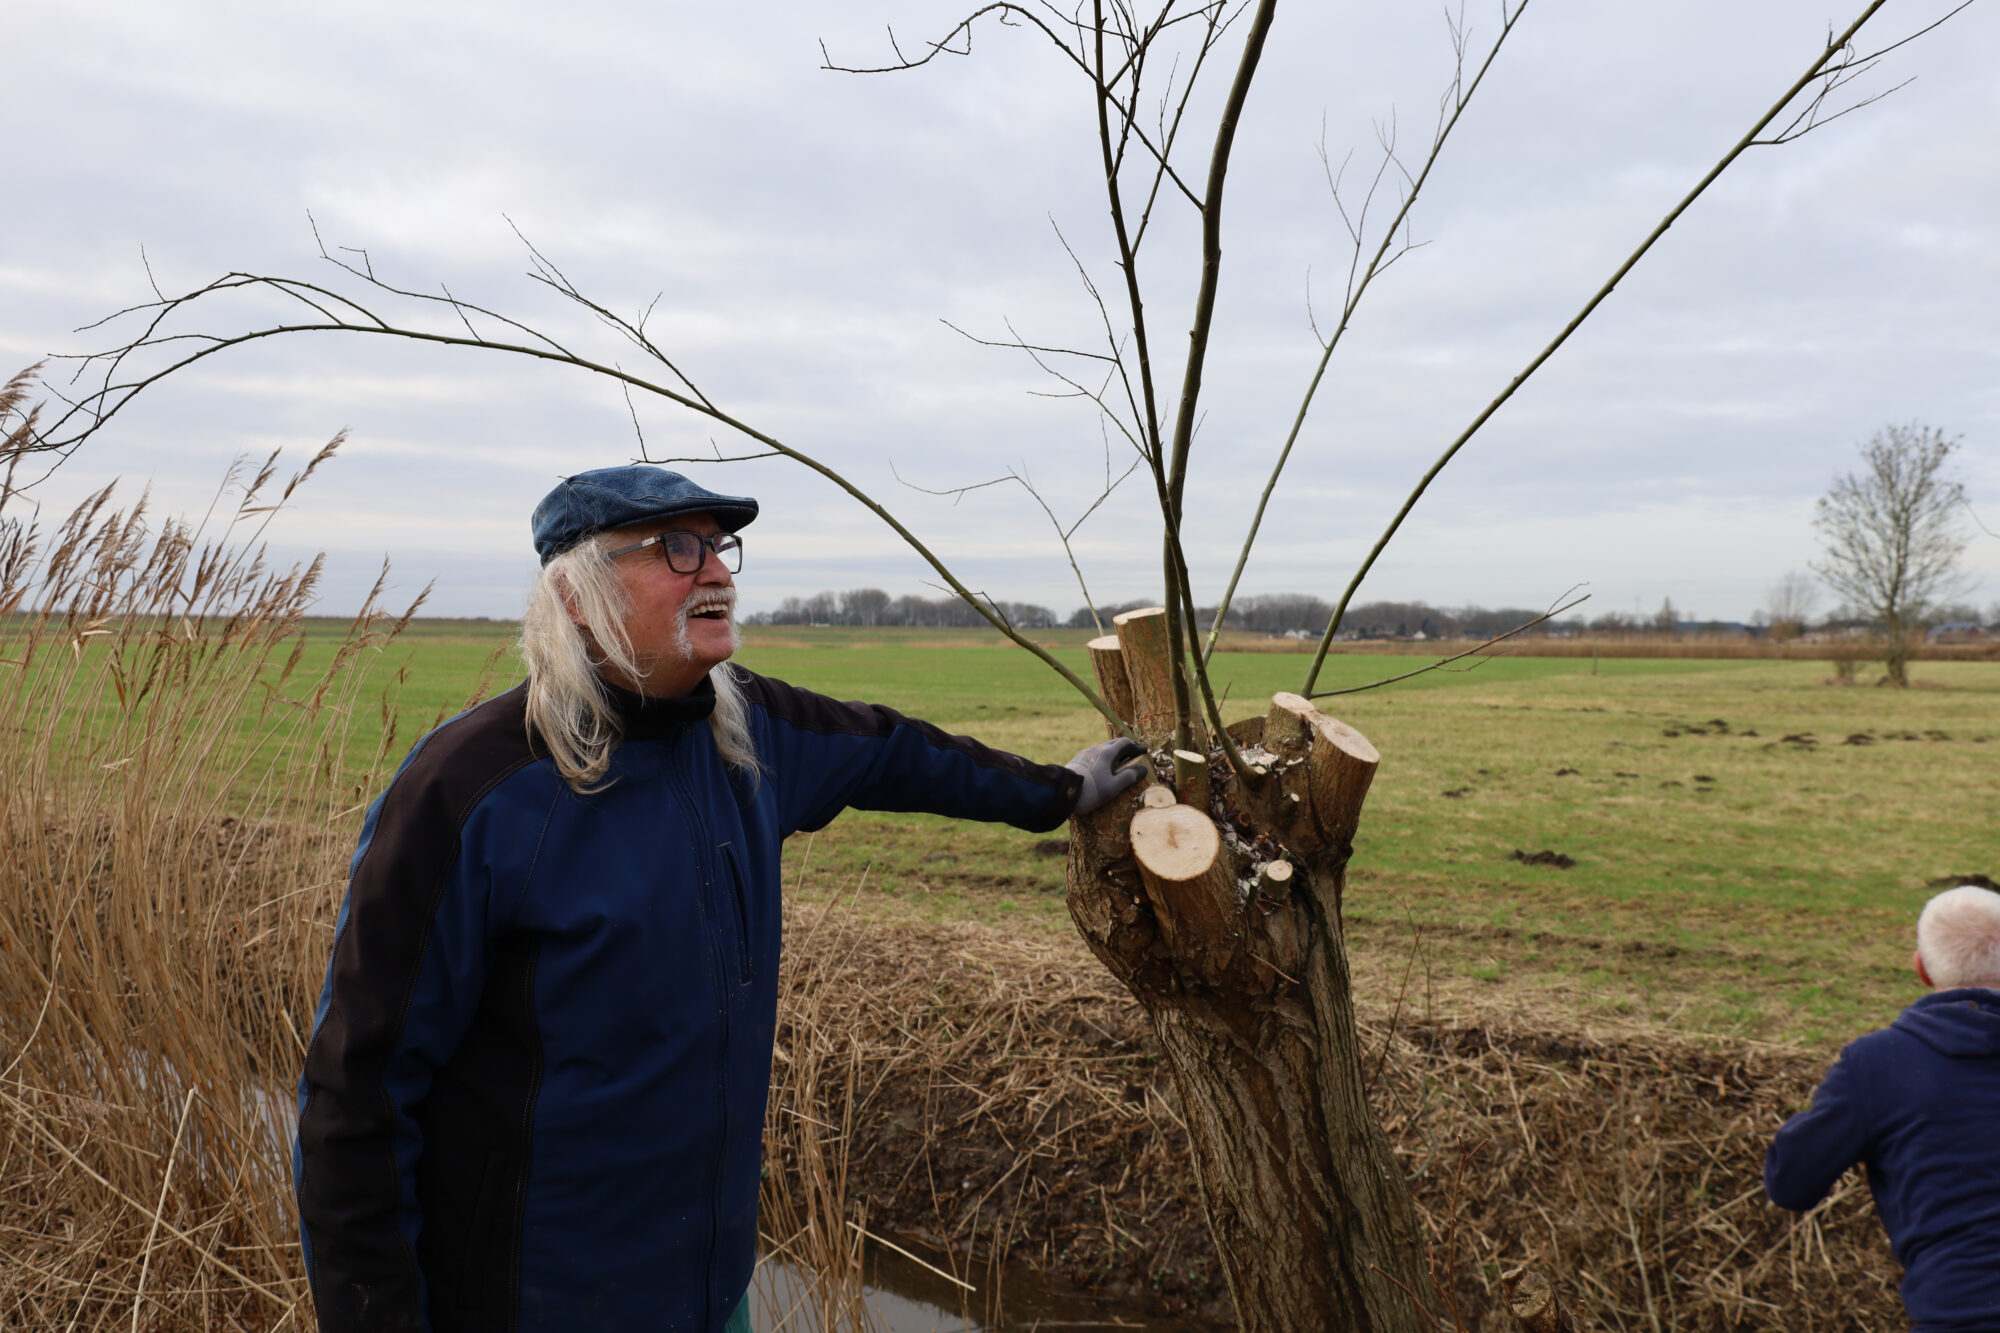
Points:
[739,906]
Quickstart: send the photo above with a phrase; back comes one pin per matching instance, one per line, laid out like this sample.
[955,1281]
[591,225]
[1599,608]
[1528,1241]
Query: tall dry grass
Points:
[996,1094]
[180,792]
[828,1075]
[179,798]
[811,1273]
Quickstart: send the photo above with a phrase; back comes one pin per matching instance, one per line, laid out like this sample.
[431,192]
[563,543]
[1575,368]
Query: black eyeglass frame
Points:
[714,542]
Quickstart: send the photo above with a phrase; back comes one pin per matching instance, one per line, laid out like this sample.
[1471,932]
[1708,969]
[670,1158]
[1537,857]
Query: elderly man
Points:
[1919,1103]
[535,1090]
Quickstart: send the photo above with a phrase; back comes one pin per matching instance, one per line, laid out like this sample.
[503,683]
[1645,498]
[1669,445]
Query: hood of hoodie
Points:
[1964,1023]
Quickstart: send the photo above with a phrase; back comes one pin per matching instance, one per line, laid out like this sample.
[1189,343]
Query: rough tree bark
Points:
[1223,916]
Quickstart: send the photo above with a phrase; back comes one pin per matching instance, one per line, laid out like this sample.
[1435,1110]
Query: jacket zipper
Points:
[699,845]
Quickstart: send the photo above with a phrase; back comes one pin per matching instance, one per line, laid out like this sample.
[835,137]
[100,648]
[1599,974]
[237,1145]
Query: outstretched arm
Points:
[1816,1147]
[825,755]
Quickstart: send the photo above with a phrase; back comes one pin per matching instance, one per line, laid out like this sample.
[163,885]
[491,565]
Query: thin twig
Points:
[1447,661]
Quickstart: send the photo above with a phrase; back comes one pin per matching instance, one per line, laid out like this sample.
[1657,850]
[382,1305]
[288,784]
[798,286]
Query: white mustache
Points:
[708,601]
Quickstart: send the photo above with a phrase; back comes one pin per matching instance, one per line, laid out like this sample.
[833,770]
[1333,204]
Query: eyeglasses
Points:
[687,552]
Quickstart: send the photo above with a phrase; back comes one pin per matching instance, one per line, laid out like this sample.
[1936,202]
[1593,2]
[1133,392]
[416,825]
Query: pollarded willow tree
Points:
[1214,893]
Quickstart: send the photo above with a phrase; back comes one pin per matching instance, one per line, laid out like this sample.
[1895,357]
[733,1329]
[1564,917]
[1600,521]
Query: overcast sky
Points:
[809,233]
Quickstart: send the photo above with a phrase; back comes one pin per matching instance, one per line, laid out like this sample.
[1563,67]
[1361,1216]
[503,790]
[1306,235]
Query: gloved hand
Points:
[1106,768]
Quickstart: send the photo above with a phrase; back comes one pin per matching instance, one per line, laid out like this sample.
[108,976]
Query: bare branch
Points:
[1016,344]
[1927,28]
[1549,614]
[96,408]
[1812,72]
[956,493]
[1009,11]
[151,281]
[1211,254]
[1846,71]
[458,309]
[637,430]
[1063,534]
[1460,96]
[1144,433]
[717,456]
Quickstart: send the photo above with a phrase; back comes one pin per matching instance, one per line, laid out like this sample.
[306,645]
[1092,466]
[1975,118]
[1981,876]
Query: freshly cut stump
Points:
[1191,778]
[1533,1301]
[1142,641]
[1188,878]
[1107,659]
[1340,765]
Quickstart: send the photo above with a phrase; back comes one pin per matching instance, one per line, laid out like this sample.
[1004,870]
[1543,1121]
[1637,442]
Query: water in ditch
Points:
[903,1296]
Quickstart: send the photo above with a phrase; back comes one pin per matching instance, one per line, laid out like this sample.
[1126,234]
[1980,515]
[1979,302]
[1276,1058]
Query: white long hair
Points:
[568,706]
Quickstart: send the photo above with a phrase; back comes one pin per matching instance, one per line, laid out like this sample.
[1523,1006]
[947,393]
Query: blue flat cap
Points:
[613,497]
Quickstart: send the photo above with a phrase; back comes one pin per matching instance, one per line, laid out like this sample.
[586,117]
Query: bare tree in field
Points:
[1893,534]
[1790,603]
[1215,893]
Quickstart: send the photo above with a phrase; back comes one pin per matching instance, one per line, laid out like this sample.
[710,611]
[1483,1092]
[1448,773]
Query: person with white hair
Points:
[534,1095]
[1918,1104]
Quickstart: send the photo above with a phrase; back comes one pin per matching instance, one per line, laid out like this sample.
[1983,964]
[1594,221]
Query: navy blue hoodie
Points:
[1919,1104]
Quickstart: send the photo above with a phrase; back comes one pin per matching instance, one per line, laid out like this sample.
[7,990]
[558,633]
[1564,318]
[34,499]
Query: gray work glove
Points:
[1106,768]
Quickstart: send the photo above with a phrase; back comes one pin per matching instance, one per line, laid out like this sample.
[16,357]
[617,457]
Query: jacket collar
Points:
[643,718]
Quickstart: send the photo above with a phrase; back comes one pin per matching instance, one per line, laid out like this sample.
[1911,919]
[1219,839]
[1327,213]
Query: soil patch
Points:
[1959,881]
[996,1095]
[1545,857]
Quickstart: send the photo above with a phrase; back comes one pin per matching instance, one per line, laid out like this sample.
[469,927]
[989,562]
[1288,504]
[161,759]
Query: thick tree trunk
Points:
[1224,920]
[1896,652]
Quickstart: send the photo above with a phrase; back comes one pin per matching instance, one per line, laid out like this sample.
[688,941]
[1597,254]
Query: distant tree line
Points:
[1302,614]
[867,608]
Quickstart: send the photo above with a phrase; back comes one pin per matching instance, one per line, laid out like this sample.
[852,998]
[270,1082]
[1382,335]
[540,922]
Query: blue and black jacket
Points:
[535,1090]
[1918,1104]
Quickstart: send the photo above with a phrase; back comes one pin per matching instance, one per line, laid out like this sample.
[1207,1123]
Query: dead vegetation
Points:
[990,1095]
[178,807]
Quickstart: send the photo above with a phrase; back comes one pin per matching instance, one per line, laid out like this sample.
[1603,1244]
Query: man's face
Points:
[681,625]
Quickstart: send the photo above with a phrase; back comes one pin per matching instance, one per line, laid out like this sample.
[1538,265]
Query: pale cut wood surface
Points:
[1107,659]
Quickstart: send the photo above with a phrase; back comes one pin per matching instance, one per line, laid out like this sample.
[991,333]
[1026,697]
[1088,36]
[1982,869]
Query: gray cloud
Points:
[808,231]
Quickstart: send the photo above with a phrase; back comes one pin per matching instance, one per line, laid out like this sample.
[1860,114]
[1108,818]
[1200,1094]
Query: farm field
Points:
[1750,842]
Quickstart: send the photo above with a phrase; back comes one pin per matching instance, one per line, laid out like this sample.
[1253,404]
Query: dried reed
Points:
[181,794]
[994,1093]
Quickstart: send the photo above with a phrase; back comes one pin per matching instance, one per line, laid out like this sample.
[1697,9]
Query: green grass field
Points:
[1751,842]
